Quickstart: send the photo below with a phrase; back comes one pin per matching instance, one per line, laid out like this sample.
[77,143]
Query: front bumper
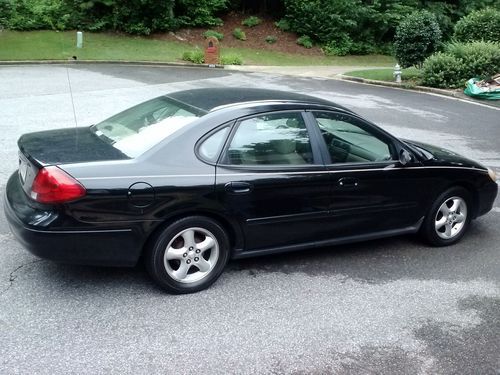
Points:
[40,232]
[487,195]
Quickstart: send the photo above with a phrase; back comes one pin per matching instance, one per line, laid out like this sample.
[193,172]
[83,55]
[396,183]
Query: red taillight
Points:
[53,185]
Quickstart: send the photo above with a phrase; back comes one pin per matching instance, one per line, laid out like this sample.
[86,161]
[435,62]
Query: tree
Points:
[417,37]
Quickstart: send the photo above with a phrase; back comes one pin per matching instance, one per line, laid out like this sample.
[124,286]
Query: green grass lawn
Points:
[52,45]
[409,75]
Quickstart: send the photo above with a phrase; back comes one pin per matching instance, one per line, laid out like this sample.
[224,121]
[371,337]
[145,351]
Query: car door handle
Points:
[238,187]
[348,182]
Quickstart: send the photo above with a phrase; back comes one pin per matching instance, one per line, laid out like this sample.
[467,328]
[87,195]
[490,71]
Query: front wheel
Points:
[189,255]
[448,218]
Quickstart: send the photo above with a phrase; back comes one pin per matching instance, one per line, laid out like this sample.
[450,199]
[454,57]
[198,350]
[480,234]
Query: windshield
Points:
[139,128]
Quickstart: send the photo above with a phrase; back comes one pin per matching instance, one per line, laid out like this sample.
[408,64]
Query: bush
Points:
[231,59]
[479,25]
[322,21]
[251,21]
[271,39]
[340,47]
[239,34]
[305,41]
[442,70]
[460,62]
[283,25]
[416,38]
[35,15]
[198,13]
[196,56]
[213,33]
[480,59]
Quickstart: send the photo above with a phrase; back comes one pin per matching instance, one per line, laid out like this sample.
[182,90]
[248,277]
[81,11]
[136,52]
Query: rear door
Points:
[272,180]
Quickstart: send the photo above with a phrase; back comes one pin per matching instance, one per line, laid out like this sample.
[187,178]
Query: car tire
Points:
[188,255]
[448,218]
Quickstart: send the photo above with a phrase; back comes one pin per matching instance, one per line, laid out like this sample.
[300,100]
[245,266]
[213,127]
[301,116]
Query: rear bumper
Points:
[38,232]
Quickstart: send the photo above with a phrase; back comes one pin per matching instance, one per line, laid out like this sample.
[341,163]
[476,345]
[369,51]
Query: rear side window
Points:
[209,149]
[273,139]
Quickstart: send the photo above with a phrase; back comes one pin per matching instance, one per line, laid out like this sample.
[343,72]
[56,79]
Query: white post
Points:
[79,39]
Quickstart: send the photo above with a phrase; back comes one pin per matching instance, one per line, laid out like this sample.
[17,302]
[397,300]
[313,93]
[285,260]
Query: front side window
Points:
[348,141]
[139,128]
[273,139]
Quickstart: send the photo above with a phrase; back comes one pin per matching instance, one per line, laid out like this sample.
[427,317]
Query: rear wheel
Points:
[189,255]
[448,218]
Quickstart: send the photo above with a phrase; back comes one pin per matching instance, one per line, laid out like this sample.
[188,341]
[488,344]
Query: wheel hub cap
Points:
[191,255]
[451,218]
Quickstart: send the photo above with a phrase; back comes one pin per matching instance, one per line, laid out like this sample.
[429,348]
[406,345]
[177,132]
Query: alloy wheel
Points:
[451,218]
[191,255]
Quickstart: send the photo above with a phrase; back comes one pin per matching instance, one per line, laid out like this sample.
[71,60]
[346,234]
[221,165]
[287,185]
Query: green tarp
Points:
[491,92]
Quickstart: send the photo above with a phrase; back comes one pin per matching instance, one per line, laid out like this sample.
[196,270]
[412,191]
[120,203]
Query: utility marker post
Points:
[79,39]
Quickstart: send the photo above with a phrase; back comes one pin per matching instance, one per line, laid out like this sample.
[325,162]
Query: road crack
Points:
[14,274]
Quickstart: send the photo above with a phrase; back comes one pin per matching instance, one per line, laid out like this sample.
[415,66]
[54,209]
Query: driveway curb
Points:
[104,62]
[457,94]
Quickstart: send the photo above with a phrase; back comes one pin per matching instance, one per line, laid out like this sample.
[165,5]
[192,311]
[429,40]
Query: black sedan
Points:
[194,178]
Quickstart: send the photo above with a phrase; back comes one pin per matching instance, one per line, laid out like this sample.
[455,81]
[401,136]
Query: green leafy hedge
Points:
[479,25]
[460,62]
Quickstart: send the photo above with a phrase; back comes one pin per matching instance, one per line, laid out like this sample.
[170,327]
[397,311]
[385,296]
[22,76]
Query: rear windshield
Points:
[139,128]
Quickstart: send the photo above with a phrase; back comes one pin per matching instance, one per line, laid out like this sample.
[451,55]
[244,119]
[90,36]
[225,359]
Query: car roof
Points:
[208,99]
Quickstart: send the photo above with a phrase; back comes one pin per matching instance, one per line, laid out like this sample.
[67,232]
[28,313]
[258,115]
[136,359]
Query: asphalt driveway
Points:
[388,306]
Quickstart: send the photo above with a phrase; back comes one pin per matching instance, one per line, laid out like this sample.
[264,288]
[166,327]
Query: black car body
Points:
[265,201]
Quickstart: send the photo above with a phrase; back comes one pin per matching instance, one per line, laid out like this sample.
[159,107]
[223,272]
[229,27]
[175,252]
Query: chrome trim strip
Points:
[277,173]
[78,231]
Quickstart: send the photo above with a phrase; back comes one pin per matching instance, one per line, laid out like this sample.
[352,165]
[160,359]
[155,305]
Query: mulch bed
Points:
[286,42]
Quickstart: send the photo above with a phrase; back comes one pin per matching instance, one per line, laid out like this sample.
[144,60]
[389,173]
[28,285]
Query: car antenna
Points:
[73,58]
[71,94]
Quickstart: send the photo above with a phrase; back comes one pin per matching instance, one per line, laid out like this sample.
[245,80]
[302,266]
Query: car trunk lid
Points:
[60,146]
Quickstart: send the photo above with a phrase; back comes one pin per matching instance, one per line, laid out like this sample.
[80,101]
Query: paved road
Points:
[388,306]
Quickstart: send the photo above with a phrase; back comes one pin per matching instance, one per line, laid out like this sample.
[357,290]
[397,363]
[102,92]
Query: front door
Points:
[371,191]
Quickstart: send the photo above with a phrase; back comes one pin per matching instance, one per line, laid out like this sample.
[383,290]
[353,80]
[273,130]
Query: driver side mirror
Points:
[405,157]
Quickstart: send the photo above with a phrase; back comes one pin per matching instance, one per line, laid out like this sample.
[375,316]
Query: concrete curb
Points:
[452,93]
[457,94]
[106,62]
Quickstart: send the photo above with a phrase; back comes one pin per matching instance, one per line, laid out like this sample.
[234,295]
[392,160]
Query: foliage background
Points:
[352,26]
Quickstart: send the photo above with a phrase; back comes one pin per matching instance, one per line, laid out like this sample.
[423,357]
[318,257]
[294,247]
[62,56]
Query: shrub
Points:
[5,10]
[283,25]
[460,62]
[271,39]
[196,56]
[239,34]
[479,25]
[215,34]
[480,59]
[231,59]
[37,14]
[323,21]
[198,13]
[339,47]
[417,37]
[251,21]
[305,41]
[442,70]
